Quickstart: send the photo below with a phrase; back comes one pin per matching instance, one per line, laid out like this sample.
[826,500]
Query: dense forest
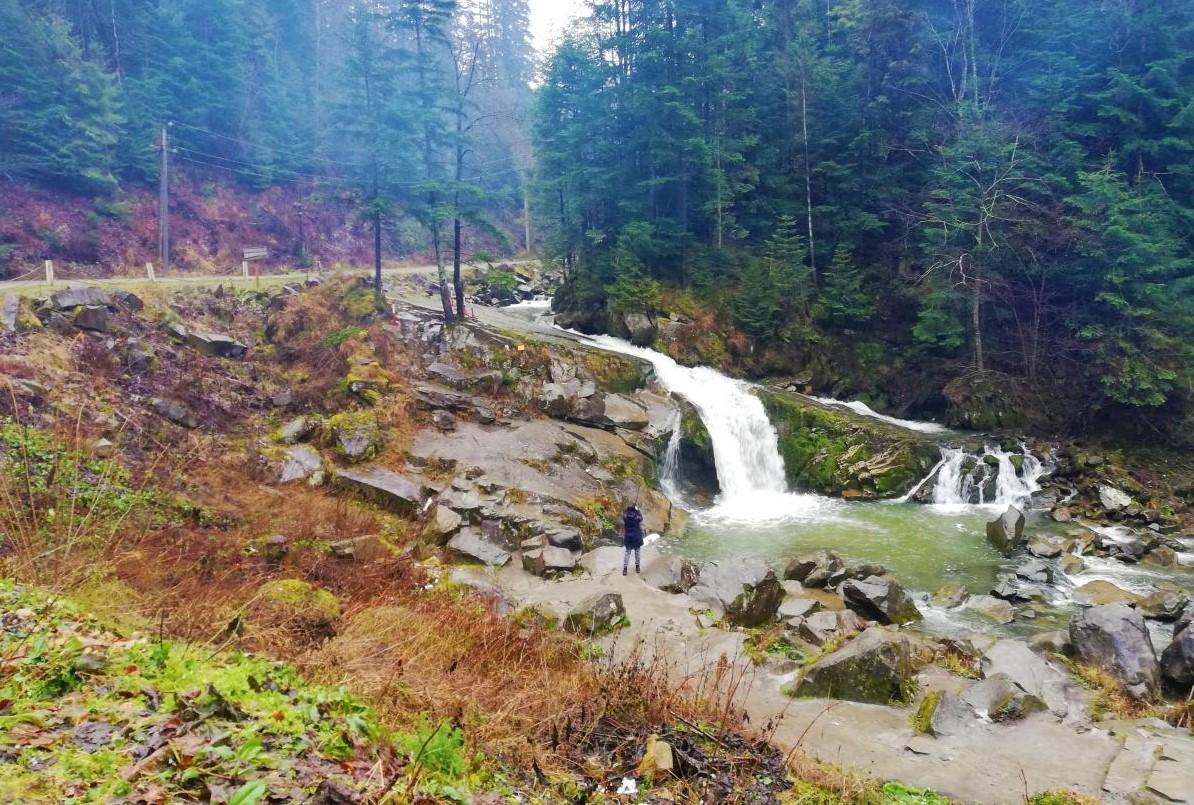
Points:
[416,109]
[983,210]
[1002,191]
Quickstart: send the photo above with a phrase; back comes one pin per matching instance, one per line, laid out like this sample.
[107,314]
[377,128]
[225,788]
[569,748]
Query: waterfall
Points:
[990,479]
[750,469]
[669,474]
[745,444]
[863,409]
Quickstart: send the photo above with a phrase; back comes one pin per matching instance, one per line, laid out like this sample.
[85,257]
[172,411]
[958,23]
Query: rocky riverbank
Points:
[497,458]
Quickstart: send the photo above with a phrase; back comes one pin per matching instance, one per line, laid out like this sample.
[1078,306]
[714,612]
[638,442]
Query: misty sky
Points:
[548,18]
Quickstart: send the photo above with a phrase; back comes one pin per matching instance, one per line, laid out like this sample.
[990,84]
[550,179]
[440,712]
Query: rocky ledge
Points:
[837,452]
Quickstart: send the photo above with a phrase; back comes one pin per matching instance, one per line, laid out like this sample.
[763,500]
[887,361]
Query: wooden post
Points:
[244,268]
[50,272]
[149,272]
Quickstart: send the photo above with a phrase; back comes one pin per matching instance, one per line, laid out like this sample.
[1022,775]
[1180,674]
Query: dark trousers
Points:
[638,556]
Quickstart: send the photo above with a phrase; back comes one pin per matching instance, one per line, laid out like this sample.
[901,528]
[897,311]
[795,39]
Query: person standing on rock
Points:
[632,541]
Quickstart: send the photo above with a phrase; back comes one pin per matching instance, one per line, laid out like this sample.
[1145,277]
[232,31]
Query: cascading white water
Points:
[750,469]
[863,409]
[671,462]
[982,483]
[745,444]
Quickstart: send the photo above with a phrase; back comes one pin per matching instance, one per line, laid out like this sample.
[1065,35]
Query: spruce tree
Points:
[842,300]
[755,305]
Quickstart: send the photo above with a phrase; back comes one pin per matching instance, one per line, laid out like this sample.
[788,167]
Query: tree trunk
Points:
[808,179]
[377,289]
[976,315]
[445,294]
[457,279]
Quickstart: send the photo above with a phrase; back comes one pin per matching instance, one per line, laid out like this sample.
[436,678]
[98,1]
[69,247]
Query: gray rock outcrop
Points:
[1177,662]
[881,599]
[597,615]
[745,592]
[472,546]
[385,487]
[875,667]
[1007,533]
[1114,637]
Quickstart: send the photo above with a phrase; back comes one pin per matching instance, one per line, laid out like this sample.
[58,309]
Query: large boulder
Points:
[82,296]
[357,437]
[10,311]
[597,615]
[881,599]
[875,667]
[216,345]
[1114,500]
[94,318]
[1100,592]
[1163,605]
[642,330]
[624,413]
[1000,698]
[991,607]
[301,463]
[814,569]
[823,627]
[1007,533]
[385,487]
[697,465]
[942,713]
[745,592]
[444,522]
[174,411]
[673,575]
[298,430]
[472,546]
[549,560]
[1035,674]
[1114,637]
[1177,663]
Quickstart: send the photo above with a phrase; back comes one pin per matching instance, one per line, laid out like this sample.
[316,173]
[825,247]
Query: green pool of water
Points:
[923,546]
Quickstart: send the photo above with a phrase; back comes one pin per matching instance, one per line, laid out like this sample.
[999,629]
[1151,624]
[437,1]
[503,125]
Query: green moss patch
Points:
[88,715]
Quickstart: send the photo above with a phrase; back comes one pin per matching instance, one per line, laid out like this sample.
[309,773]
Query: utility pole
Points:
[164,203]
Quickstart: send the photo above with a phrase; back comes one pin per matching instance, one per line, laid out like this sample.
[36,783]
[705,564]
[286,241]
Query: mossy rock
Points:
[296,605]
[27,320]
[841,453]
[922,720]
[698,464]
[982,404]
[356,435]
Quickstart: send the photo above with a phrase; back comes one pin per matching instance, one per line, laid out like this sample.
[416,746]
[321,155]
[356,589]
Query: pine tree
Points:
[1139,275]
[790,274]
[842,300]
[755,305]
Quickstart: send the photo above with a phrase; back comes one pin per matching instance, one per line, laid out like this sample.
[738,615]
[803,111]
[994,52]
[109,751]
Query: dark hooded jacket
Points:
[632,520]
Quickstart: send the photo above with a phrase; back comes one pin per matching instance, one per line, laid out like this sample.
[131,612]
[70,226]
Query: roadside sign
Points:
[256,253]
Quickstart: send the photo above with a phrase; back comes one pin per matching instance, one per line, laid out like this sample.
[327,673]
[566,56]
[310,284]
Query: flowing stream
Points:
[925,546]
[750,470]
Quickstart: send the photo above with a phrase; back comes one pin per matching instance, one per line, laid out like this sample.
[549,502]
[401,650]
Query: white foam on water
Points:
[750,469]
[957,488]
[862,408]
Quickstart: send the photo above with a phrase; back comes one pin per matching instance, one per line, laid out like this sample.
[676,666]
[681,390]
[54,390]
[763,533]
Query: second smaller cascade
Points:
[994,478]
